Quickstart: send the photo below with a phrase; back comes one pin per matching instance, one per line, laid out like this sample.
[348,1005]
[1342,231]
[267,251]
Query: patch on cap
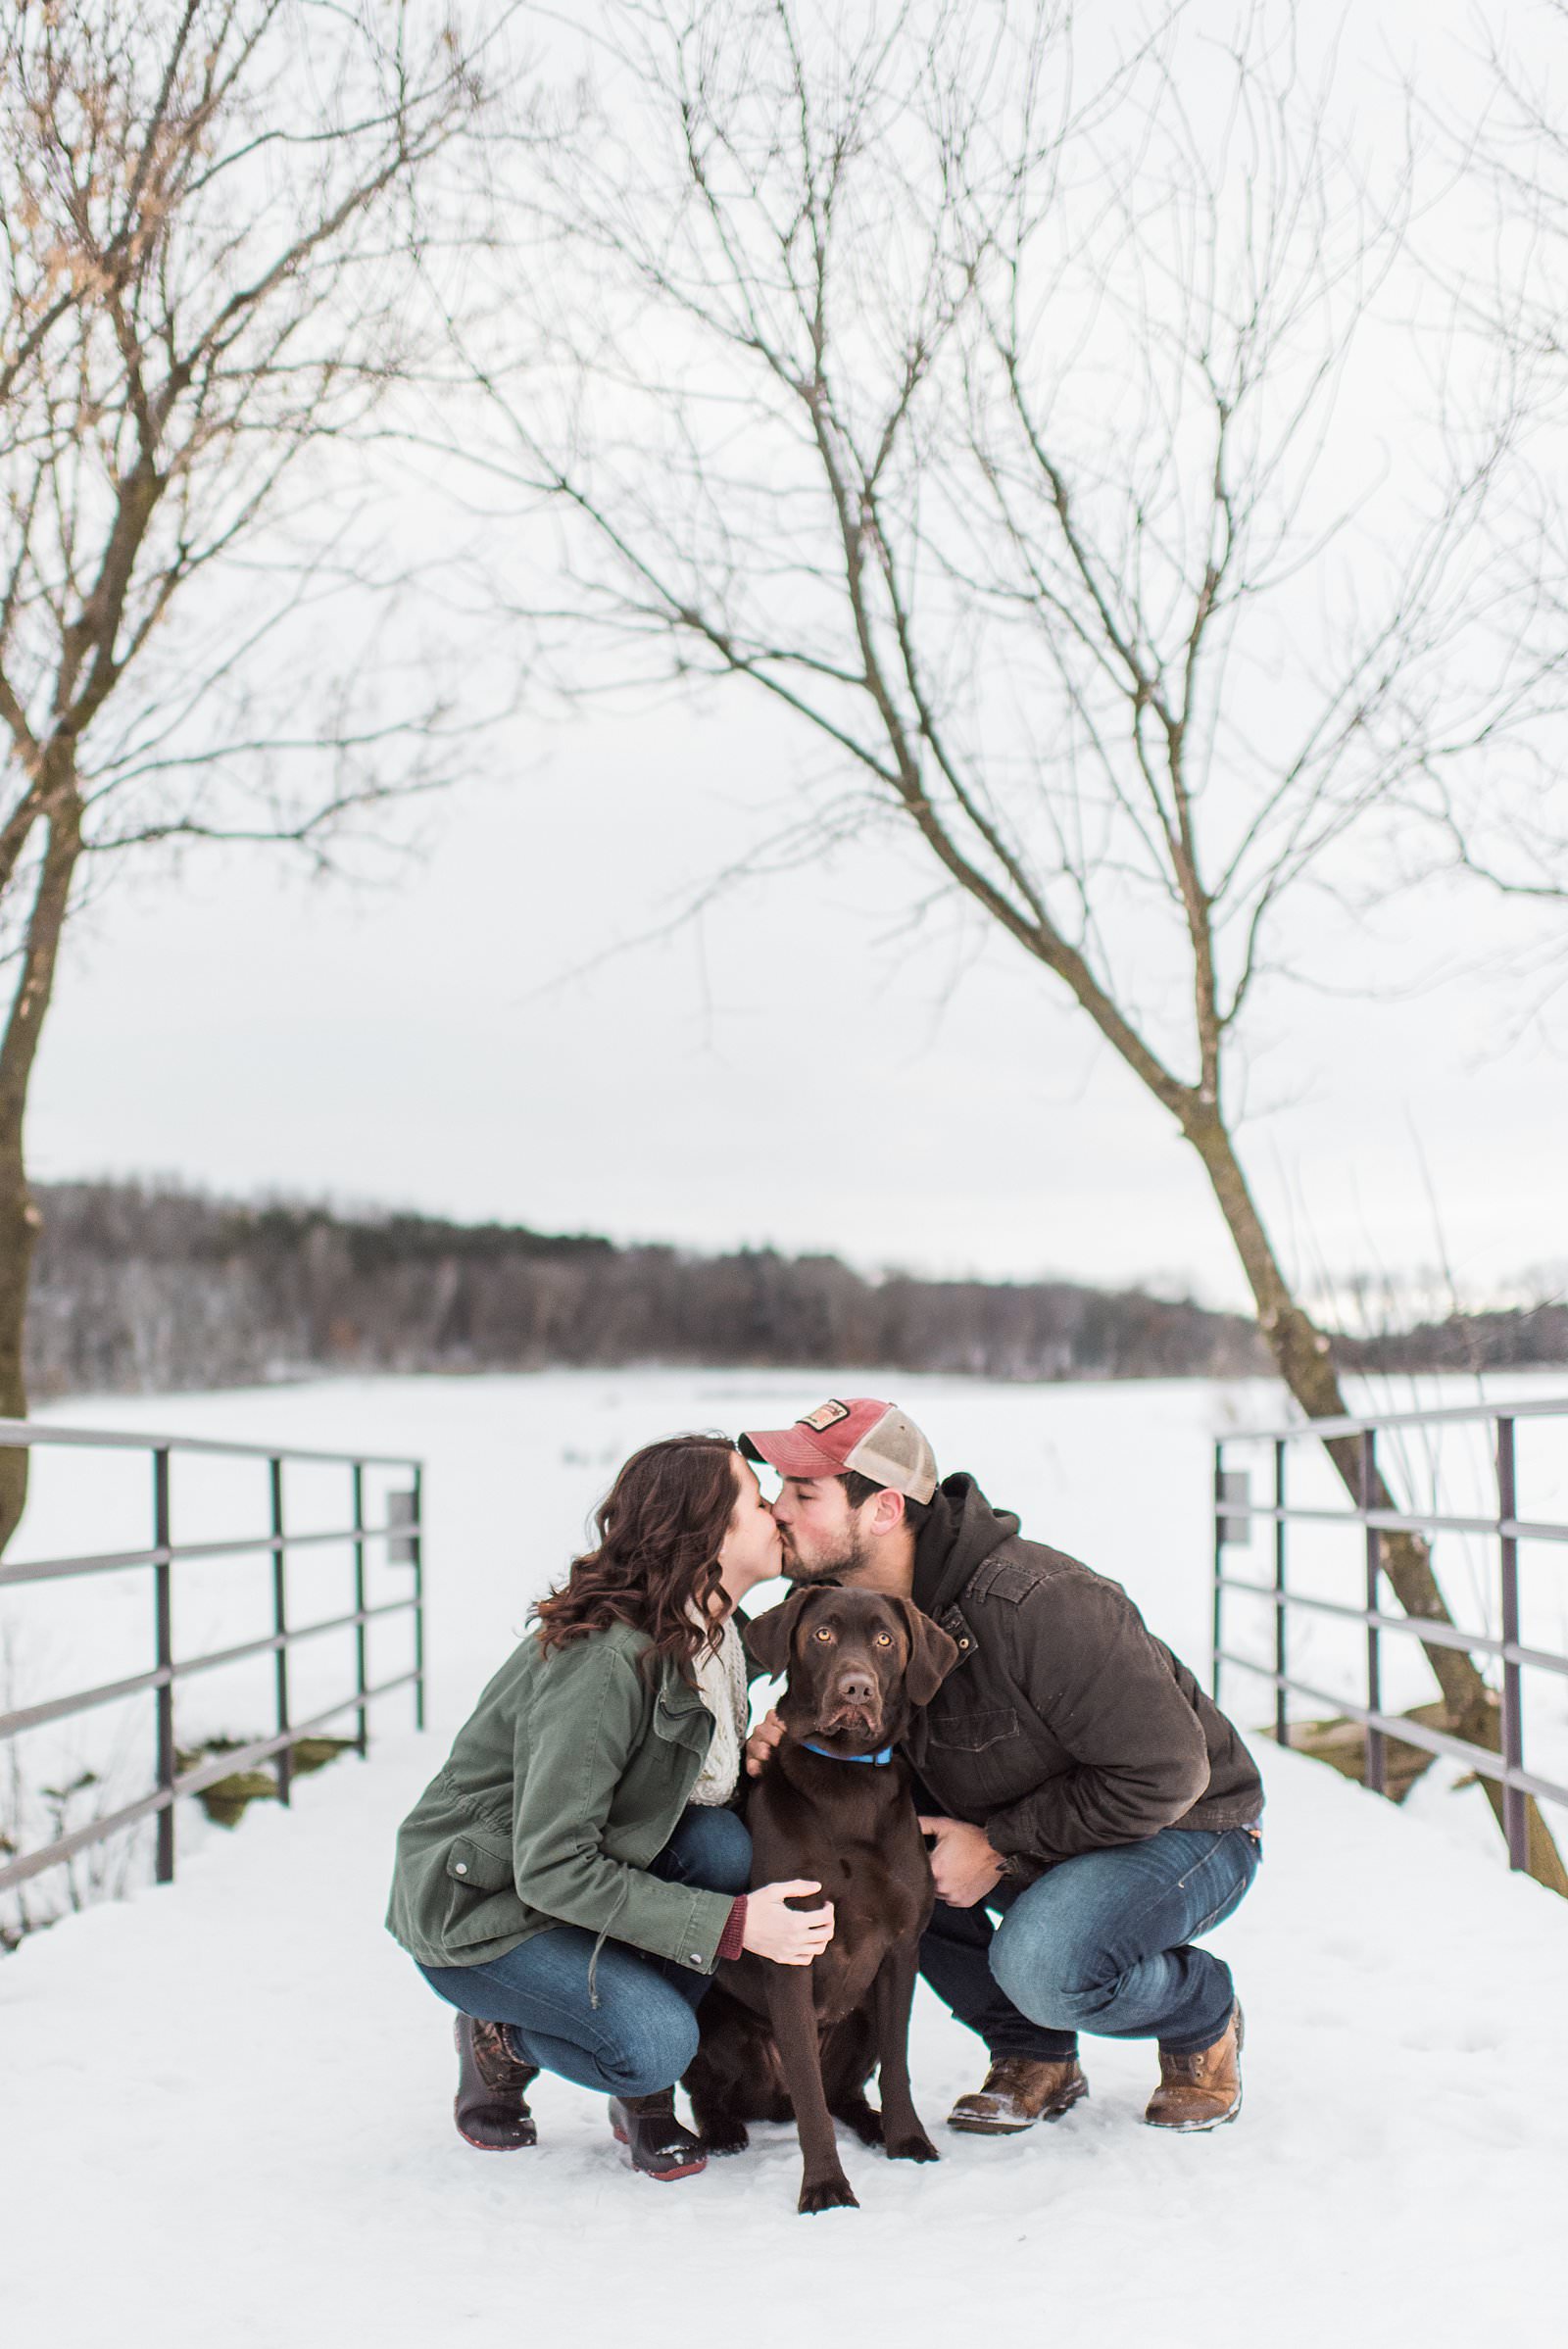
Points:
[865,1434]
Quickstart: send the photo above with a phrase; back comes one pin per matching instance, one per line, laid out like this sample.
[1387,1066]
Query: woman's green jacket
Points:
[566,1781]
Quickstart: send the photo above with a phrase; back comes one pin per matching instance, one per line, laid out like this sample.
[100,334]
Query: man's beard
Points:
[845,1562]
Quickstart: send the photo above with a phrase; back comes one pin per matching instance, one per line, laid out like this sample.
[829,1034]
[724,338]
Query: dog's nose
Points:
[856,1688]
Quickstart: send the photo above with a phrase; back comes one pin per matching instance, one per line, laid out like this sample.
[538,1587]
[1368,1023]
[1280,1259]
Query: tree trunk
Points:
[1301,1350]
[19,1232]
[19,1216]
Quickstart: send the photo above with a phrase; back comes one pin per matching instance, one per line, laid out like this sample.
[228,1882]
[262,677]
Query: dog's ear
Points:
[932,1654]
[767,1639]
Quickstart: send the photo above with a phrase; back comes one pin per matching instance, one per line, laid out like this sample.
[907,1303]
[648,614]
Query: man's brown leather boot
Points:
[1018,2092]
[491,2106]
[1202,2090]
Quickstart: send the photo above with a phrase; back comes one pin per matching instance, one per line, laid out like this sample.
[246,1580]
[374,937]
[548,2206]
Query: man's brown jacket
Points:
[1065,1726]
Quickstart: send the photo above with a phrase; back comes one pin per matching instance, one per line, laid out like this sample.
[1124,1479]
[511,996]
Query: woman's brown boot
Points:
[491,2107]
[657,2143]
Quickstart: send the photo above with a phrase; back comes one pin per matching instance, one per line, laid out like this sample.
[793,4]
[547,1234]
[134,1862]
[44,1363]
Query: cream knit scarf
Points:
[721,1685]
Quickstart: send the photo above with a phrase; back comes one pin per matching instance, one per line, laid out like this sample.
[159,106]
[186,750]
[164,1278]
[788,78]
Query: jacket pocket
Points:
[478,1867]
[975,1733]
[972,1759]
[481,1893]
[682,1718]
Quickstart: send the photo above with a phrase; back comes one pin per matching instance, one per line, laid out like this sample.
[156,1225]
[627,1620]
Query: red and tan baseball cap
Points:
[876,1438]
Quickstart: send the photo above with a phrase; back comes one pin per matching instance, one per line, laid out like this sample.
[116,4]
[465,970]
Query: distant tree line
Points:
[140,1290]
[1511,1338]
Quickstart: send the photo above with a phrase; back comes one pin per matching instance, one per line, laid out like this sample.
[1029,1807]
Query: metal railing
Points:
[403,1535]
[1234,1510]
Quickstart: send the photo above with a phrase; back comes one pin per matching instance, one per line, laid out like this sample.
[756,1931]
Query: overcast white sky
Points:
[791,1071]
[799,1068]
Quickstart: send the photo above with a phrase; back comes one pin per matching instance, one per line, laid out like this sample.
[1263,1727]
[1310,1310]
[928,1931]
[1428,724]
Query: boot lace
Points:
[498,2068]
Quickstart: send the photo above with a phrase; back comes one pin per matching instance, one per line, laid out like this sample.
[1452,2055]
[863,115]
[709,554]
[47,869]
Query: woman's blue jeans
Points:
[1099,1943]
[642,2035]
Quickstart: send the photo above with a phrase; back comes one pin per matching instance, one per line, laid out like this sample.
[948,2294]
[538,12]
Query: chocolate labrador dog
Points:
[833,1804]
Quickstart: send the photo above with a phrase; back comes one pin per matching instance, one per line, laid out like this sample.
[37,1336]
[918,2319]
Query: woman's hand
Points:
[789,1936]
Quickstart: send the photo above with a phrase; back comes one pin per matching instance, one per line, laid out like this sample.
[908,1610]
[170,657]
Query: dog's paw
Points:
[826,2194]
[726,2136]
[915,2146]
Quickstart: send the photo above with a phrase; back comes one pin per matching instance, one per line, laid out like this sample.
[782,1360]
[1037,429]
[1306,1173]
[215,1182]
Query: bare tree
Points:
[1010,413]
[1510,150]
[215,221]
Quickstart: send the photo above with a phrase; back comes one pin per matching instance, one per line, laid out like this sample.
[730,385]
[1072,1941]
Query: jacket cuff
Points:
[1006,1833]
[1003,1834]
[732,1939]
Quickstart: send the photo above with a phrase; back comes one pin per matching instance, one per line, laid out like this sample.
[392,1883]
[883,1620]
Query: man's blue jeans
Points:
[642,2035]
[1099,1943]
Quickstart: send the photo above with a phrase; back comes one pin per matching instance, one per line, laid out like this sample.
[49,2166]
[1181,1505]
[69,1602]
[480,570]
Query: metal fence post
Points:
[284,1764]
[1282,1727]
[1219,1559]
[1377,1766]
[172,1774]
[417,1561]
[362,1739]
[163,1620]
[1515,1817]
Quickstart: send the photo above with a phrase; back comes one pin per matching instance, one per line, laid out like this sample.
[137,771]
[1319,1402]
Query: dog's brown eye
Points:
[882,1639]
[822,1632]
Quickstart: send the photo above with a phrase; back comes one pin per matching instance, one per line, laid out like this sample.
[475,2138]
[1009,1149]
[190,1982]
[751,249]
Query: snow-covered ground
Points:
[225,2109]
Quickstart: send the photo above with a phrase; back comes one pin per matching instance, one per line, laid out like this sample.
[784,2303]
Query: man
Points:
[1082,1787]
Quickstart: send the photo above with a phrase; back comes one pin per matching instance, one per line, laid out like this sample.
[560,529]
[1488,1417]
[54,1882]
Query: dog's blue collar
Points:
[877,1760]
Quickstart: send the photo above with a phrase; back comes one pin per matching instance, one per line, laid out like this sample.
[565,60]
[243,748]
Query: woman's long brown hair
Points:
[655,1566]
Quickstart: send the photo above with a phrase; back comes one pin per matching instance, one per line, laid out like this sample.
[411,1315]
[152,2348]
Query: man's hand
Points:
[964,1863]
[761,1741]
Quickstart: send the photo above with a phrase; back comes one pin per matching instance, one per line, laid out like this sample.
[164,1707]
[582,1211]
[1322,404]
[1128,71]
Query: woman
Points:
[573,1876]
